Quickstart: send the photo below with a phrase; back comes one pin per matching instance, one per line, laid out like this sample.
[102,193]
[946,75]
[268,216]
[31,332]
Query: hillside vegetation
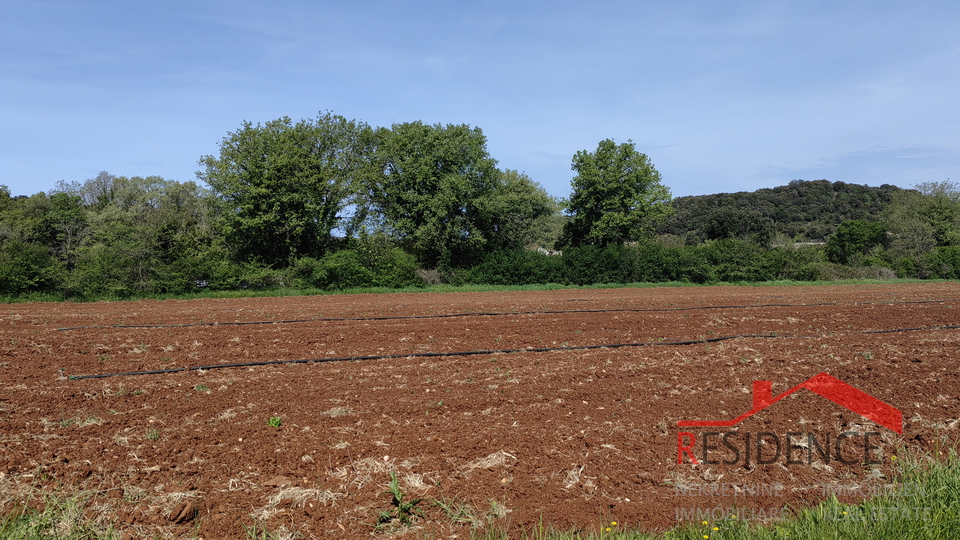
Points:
[801,210]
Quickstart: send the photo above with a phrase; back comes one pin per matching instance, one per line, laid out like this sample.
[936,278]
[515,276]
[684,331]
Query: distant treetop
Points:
[802,209]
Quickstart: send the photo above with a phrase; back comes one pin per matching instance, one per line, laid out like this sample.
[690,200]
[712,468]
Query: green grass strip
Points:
[469,288]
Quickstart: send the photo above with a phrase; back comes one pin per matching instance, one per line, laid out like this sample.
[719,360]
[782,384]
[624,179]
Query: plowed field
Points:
[578,435]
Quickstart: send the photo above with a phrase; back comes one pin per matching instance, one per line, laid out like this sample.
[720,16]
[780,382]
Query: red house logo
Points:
[825,385]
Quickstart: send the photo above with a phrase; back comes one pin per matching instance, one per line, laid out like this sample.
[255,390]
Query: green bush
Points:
[515,267]
[388,265]
[689,264]
[853,240]
[349,268]
[101,270]
[734,260]
[260,276]
[595,264]
[340,270]
[26,267]
[826,271]
[653,263]
[224,275]
[944,263]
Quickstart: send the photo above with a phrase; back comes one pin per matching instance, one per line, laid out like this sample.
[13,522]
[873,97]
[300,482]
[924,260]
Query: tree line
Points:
[333,203]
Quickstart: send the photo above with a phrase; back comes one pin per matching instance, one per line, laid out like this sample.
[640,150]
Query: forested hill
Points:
[809,210]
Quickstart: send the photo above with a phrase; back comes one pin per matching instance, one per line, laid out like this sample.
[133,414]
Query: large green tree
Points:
[922,222]
[431,190]
[853,240]
[519,213]
[735,222]
[284,187]
[138,234]
[617,196]
[925,218]
[26,261]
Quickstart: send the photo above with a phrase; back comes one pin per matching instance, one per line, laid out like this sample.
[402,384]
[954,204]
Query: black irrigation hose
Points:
[500,351]
[484,314]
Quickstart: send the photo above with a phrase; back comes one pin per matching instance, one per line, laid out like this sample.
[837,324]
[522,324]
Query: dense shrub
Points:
[26,267]
[515,267]
[735,260]
[594,264]
[726,260]
[349,268]
[826,271]
[390,266]
[654,263]
[853,240]
[944,263]
[255,275]
[690,264]
[340,270]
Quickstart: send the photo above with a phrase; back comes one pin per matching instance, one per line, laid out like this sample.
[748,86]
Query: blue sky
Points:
[723,96]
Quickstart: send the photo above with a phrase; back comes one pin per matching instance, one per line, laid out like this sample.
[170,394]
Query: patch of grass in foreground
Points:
[54,516]
[933,505]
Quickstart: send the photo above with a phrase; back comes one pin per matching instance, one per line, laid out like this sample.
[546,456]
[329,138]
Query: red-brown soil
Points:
[572,437]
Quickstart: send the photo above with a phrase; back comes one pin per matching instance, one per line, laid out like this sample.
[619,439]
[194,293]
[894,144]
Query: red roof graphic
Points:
[827,386]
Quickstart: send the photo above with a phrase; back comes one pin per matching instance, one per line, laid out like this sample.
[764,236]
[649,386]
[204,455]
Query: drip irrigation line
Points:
[482,314]
[497,351]
[436,316]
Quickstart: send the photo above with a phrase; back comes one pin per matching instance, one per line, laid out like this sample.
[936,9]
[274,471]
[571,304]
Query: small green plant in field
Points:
[259,531]
[104,358]
[867,355]
[153,434]
[456,511]
[274,421]
[132,494]
[403,510]
[201,388]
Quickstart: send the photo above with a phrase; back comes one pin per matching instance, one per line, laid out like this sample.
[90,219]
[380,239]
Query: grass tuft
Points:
[62,518]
